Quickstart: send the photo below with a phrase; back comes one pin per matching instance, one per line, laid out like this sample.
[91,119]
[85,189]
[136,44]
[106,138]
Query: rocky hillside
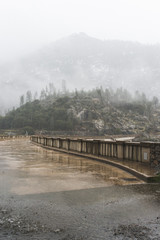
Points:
[96,112]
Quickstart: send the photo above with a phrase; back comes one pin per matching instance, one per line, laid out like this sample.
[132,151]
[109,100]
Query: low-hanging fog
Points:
[82,44]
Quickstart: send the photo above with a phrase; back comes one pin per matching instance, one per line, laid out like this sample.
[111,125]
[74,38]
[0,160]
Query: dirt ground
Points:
[31,208]
[116,212]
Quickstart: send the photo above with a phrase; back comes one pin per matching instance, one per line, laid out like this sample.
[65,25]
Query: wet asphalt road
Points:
[47,195]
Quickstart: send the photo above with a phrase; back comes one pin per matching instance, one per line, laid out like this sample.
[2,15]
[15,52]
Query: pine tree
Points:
[21,100]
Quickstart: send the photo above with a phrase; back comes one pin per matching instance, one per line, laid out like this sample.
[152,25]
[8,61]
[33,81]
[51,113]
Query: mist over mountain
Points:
[83,62]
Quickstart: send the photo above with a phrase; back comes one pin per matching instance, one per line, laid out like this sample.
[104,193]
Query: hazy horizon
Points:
[26,26]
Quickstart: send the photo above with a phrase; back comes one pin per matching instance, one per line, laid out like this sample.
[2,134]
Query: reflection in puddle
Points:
[37,170]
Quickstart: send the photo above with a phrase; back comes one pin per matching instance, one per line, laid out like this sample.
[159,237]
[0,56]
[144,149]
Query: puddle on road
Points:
[32,169]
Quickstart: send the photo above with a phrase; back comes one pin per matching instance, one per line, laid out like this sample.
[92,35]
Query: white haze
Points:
[29,25]
[26,25]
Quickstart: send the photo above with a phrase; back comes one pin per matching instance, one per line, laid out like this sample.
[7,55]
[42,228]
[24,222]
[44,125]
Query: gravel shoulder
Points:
[116,212]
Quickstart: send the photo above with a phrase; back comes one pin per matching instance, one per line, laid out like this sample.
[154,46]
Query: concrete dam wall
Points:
[147,152]
[143,154]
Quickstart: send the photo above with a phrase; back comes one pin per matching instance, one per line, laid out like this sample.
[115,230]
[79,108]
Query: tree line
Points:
[107,95]
[59,110]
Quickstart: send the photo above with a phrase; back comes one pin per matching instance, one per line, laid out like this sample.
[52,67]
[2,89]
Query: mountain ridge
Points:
[84,62]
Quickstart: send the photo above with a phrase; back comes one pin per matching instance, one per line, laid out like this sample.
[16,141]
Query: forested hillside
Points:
[83,62]
[95,112]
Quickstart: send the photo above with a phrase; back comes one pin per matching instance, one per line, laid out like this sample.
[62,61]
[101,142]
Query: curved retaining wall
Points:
[105,151]
[139,151]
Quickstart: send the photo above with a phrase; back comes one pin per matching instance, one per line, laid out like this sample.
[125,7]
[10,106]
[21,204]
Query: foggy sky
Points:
[26,25]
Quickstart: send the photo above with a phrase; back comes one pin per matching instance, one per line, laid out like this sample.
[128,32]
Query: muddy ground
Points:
[117,212]
[107,211]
